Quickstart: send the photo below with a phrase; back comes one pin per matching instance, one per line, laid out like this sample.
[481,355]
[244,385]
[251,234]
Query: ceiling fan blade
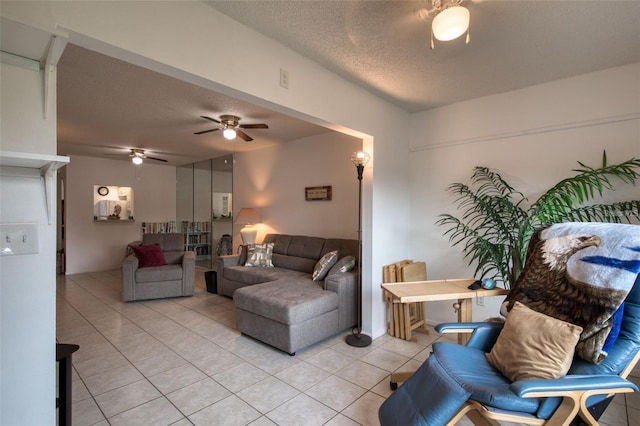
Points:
[206,131]
[146,157]
[210,119]
[254,126]
[243,135]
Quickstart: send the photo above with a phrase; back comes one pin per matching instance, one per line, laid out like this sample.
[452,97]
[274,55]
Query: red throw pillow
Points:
[150,255]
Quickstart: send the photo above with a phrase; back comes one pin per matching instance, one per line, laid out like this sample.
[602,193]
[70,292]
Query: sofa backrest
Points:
[301,253]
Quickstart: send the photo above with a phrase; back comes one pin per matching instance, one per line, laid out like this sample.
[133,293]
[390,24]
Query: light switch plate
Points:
[19,238]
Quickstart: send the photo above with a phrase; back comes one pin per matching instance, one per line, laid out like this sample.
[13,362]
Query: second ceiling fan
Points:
[230,126]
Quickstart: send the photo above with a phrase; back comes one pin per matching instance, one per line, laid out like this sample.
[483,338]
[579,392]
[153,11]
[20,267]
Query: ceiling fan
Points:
[138,156]
[230,126]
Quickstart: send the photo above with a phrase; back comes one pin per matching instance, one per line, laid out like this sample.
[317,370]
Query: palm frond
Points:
[495,225]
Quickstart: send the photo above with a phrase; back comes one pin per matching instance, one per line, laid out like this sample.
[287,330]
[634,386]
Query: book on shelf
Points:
[159,227]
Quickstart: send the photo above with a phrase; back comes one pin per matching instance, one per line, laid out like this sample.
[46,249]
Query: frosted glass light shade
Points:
[451,23]
[136,160]
[229,134]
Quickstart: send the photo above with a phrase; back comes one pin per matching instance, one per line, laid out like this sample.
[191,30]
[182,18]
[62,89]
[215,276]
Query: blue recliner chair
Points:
[454,373]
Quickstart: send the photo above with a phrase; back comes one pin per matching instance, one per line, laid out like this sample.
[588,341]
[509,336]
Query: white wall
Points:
[533,137]
[175,38]
[273,180]
[27,282]
[97,246]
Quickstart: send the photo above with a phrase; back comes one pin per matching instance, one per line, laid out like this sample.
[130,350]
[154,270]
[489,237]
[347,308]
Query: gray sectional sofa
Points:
[281,305]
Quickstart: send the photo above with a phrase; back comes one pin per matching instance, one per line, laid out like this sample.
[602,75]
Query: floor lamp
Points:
[356,338]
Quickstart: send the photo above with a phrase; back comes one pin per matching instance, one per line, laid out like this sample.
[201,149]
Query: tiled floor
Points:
[181,362]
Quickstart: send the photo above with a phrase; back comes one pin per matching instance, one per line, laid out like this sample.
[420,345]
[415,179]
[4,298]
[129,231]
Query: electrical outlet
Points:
[480,301]
[284,78]
[19,238]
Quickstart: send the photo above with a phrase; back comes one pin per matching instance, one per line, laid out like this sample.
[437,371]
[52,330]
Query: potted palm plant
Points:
[497,221]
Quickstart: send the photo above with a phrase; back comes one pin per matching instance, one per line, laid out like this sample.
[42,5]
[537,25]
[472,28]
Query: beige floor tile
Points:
[330,360]
[71,334]
[197,396]
[262,421]
[85,412]
[240,377]
[402,347]
[100,364]
[335,392]
[383,388]
[127,397]
[266,395]
[614,415]
[230,411]
[341,420]
[156,412]
[218,362]
[385,359]
[302,375]
[333,376]
[365,409]
[176,378]
[362,374]
[79,391]
[273,361]
[159,363]
[112,379]
[301,410]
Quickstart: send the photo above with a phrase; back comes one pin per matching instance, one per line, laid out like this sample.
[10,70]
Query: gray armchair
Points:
[174,279]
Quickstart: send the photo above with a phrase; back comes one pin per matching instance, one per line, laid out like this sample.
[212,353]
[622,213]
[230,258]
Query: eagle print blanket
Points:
[580,273]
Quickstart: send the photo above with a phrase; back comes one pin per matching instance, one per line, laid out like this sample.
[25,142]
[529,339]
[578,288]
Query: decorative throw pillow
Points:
[345,264]
[534,346]
[150,255]
[259,255]
[324,264]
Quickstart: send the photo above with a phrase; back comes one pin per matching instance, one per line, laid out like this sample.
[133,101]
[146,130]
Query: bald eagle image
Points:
[546,287]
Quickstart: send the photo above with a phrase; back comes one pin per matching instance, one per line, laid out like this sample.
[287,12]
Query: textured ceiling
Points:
[107,106]
[384,45]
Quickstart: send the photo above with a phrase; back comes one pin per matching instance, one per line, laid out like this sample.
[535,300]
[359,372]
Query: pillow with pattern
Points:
[345,264]
[324,264]
[259,255]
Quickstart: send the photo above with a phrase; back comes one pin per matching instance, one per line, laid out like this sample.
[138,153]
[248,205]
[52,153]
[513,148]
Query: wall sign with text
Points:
[317,193]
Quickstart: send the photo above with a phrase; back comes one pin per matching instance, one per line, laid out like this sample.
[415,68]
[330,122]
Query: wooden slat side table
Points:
[435,290]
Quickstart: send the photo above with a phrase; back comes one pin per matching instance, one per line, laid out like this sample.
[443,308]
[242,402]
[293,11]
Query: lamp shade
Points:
[247,216]
[229,134]
[451,23]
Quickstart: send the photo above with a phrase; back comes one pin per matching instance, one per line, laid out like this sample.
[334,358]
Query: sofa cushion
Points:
[280,242]
[345,264]
[324,265]
[344,247]
[294,263]
[287,301]
[306,247]
[249,275]
[259,255]
[150,255]
[159,273]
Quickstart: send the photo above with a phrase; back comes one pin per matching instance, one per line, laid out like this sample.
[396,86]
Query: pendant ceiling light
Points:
[451,22]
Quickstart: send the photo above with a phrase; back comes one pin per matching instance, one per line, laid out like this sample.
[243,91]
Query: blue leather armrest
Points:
[484,334]
[571,383]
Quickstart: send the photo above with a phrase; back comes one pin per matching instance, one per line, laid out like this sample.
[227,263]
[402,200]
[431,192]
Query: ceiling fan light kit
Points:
[231,127]
[451,22]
